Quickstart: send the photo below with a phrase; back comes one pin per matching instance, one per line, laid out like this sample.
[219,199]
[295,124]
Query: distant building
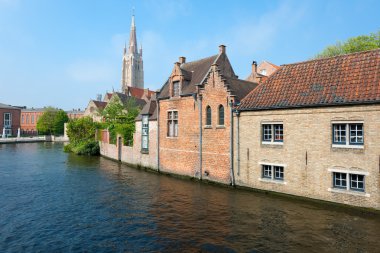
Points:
[132,73]
[261,72]
[9,120]
[75,114]
[94,109]
[313,130]
[29,118]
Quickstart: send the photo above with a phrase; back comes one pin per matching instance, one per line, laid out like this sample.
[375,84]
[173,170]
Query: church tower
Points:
[132,73]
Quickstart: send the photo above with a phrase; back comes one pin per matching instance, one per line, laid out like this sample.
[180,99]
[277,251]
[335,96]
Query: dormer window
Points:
[264,72]
[176,89]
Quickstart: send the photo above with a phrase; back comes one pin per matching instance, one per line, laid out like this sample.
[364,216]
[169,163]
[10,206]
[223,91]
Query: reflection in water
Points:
[53,201]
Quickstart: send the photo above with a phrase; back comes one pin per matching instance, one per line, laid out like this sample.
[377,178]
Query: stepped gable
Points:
[340,80]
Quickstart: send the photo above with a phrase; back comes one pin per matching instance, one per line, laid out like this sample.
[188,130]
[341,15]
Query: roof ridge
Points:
[202,59]
[332,57]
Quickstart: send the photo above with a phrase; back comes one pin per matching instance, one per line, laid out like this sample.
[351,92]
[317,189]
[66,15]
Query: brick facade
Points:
[29,118]
[308,155]
[199,151]
[15,119]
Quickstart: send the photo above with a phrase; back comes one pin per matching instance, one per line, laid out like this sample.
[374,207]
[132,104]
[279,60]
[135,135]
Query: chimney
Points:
[182,59]
[177,64]
[222,49]
[254,67]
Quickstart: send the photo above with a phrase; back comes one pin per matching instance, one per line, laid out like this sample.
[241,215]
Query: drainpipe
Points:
[231,144]
[200,136]
[158,135]
[238,141]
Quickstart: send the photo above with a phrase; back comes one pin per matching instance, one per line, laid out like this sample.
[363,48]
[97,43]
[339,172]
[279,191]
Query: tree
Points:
[352,45]
[114,110]
[120,118]
[81,133]
[52,121]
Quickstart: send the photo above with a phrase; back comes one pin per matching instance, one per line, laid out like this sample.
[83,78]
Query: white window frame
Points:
[272,140]
[347,130]
[8,122]
[348,188]
[145,133]
[272,177]
[172,124]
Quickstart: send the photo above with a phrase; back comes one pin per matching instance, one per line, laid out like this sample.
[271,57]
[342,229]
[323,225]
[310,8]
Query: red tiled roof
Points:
[346,79]
[139,93]
[109,95]
[100,104]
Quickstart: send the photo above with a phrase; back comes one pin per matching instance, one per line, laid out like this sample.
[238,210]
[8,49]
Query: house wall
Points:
[180,155]
[15,124]
[133,155]
[308,155]
[269,68]
[216,138]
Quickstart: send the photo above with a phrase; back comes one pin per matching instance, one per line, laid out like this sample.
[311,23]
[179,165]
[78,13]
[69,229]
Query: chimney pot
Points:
[254,67]
[222,49]
[182,59]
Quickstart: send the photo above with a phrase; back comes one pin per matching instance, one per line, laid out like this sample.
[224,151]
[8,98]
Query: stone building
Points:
[94,109]
[194,110]
[9,120]
[313,130]
[132,73]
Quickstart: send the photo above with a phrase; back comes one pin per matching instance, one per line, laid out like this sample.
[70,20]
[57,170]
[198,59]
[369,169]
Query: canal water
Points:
[51,201]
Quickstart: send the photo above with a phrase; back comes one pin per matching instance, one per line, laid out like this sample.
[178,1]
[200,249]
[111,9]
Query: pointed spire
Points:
[125,48]
[132,37]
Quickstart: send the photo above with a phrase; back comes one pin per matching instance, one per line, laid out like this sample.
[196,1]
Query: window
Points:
[264,72]
[22,119]
[221,115]
[172,124]
[32,118]
[273,133]
[7,119]
[27,119]
[273,172]
[348,134]
[356,181]
[208,116]
[145,133]
[175,89]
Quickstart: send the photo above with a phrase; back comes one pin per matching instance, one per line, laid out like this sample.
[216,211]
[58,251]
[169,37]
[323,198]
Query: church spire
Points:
[132,72]
[132,37]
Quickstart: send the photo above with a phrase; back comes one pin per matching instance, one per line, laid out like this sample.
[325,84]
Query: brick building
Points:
[75,114]
[261,72]
[313,130]
[194,117]
[9,120]
[29,118]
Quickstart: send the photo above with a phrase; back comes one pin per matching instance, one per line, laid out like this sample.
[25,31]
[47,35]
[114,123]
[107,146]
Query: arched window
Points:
[221,115]
[208,115]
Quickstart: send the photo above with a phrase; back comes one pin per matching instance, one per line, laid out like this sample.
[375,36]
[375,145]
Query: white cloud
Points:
[257,34]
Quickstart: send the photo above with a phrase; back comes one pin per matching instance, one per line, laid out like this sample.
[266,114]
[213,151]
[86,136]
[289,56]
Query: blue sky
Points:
[63,53]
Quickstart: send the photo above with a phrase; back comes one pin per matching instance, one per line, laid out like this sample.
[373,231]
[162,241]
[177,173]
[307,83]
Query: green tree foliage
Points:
[120,119]
[352,45]
[81,133]
[52,121]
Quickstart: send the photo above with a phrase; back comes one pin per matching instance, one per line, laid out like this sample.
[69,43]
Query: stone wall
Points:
[308,155]
[133,155]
